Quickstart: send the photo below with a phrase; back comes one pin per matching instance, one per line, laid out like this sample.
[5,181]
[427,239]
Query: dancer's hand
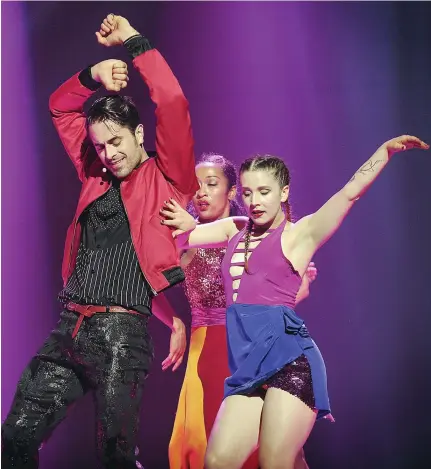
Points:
[177,346]
[114,30]
[403,143]
[309,277]
[311,272]
[304,290]
[177,217]
[111,73]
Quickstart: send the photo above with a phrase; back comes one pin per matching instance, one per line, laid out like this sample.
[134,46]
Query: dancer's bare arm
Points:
[190,235]
[323,224]
[314,230]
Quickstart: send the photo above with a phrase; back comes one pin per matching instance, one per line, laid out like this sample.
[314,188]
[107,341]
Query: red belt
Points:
[90,310]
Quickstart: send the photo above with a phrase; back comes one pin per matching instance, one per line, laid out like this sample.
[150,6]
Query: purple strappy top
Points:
[272,279]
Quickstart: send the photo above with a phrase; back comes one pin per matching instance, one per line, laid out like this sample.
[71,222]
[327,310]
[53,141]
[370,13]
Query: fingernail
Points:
[162,221]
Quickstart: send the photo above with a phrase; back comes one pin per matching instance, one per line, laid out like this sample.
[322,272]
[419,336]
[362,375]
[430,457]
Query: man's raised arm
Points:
[66,106]
[174,140]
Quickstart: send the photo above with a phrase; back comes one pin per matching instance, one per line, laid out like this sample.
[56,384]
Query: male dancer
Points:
[117,255]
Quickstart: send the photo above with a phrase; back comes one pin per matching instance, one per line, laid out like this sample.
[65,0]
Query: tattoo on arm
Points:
[368,167]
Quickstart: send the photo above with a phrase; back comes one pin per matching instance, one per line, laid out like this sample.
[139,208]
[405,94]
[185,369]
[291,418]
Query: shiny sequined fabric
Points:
[295,378]
[107,212]
[204,283]
[110,356]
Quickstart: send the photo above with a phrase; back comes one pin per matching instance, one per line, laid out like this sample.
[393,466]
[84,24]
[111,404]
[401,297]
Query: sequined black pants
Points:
[110,357]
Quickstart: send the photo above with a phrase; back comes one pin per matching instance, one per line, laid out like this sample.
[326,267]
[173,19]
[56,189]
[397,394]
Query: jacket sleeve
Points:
[66,106]
[174,140]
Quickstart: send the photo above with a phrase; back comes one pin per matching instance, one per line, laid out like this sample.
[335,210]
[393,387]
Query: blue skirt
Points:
[262,340]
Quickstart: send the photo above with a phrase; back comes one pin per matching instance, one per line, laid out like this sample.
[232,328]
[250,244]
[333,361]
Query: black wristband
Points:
[137,45]
[87,80]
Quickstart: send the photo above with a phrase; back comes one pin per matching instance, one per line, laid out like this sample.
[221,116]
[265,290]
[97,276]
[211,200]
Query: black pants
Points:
[110,356]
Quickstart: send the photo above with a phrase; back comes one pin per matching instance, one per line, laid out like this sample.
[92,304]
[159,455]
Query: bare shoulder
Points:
[236,224]
[296,229]
[294,244]
[302,222]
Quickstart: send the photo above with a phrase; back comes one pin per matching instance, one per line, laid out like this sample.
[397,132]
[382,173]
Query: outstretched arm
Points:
[66,106]
[321,225]
[174,141]
[191,235]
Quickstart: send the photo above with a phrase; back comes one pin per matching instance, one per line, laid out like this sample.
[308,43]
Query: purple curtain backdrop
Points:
[26,279]
[320,84]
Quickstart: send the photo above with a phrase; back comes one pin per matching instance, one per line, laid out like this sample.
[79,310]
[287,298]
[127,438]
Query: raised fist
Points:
[114,30]
[111,73]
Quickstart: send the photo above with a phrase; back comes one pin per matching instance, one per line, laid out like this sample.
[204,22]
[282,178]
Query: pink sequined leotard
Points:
[204,287]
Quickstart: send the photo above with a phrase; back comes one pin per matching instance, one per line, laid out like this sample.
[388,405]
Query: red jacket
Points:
[170,174]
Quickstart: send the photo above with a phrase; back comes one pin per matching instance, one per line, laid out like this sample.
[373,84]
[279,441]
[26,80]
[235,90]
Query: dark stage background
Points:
[320,84]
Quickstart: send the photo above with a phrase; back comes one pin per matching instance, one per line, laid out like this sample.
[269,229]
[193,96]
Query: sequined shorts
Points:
[294,378]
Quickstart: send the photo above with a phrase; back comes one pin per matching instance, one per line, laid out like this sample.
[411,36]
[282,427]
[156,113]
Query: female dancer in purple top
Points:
[277,386]
[207,364]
